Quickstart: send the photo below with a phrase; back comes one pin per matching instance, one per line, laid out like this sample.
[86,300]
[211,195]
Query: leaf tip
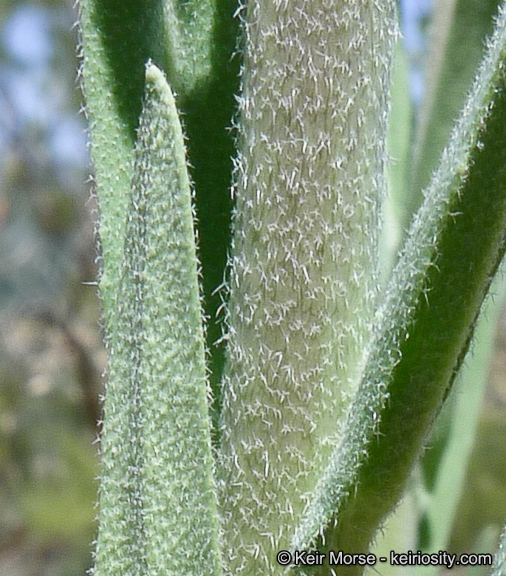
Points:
[153,74]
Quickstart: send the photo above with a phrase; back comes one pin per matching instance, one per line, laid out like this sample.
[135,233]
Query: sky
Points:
[29,94]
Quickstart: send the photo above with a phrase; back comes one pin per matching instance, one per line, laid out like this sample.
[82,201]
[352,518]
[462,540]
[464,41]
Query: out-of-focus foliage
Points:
[51,356]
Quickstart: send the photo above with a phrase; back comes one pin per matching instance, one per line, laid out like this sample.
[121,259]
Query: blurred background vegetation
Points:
[51,354]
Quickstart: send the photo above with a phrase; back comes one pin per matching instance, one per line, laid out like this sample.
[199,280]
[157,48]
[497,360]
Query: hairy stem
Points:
[310,178]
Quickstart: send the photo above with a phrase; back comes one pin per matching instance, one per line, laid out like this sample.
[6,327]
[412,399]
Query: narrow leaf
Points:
[191,29]
[449,73]
[117,38]
[193,42]
[500,557]
[426,323]
[446,482]
[208,108]
[158,512]
[398,147]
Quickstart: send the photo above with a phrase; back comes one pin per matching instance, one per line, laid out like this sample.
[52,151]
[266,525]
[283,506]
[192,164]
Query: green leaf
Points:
[117,39]
[464,410]
[191,26]
[450,70]
[455,245]
[158,512]
[398,148]
[500,557]
[208,110]
[193,42]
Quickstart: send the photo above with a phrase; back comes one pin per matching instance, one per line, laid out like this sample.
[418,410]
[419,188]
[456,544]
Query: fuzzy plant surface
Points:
[300,430]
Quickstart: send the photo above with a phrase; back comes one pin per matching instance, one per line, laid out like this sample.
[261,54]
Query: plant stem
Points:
[310,180]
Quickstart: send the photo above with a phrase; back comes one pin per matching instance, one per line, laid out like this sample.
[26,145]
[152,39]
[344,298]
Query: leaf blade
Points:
[450,71]
[157,464]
